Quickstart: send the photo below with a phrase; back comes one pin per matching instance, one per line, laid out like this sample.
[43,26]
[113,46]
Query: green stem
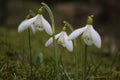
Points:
[30,54]
[75,51]
[54,41]
[76,60]
[85,63]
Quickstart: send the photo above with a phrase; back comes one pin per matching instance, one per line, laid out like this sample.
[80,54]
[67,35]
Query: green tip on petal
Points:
[40,10]
[90,20]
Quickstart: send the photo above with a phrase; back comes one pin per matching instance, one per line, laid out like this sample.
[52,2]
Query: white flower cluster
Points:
[89,34]
[36,23]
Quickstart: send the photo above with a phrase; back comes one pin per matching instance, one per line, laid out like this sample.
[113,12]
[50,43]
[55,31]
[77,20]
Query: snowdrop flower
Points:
[89,34]
[62,40]
[27,23]
[36,23]
[41,23]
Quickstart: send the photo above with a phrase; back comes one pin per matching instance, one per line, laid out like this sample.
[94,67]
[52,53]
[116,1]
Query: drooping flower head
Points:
[27,23]
[61,38]
[37,22]
[41,23]
[89,34]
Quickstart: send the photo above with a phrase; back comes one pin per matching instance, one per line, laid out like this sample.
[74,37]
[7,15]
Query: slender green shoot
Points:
[75,51]
[29,40]
[54,41]
[85,63]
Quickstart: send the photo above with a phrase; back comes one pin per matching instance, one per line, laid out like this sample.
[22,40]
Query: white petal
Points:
[57,35]
[23,25]
[88,42]
[68,44]
[32,20]
[26,23]
[61,39]
[51,40]
[87,36]
[46,25]
[76,33]
[33,28]
[95,37]
[38,21]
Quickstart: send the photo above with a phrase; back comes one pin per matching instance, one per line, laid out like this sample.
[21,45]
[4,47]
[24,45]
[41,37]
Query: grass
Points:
[14,59]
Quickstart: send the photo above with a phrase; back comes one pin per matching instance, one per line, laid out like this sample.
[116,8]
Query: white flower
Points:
[42,24]
[89,35]
[61,39]
[36,23]
[26,24]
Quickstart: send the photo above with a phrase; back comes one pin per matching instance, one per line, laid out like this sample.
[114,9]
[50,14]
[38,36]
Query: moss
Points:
[14,58]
